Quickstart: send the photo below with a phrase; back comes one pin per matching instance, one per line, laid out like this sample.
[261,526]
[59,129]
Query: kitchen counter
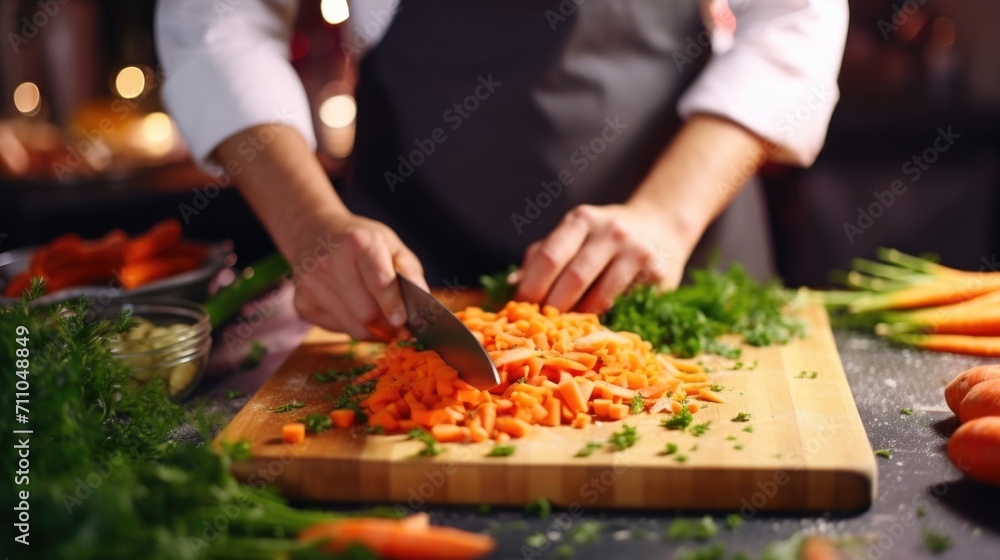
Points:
[918,488]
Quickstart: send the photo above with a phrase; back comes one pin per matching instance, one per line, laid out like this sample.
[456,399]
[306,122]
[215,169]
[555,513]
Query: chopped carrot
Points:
[554,412]
[514,427]
[384,420]
[293,433]
[709,395]
[342,418]
[582,420]
[617,411]
[573,395]
[602,407]
[446,433]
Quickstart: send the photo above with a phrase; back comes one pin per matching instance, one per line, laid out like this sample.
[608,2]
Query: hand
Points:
[353,286]
[598,252]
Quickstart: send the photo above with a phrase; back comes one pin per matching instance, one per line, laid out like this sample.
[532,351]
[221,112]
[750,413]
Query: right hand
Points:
[352,287]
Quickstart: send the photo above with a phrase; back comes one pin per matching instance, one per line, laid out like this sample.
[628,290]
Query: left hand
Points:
[598,252]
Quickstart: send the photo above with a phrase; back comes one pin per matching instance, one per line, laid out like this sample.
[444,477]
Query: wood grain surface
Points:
[808,449]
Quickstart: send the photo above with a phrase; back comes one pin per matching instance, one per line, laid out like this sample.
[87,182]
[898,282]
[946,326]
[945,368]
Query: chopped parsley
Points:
[584,532]
[254,356]
[497,289]
[536,540]
[431,447]
[681,458]
[935,542]
[678,421]
[921,511]
[564,551]
[317,423]
[502,451]
[699,430]
[807,374]
[288,407]
[700,529]
[738,447]
[716,551]
[906,412]
[716,388]
[735,521]
[342,375]
[233,394]
[731,438]
[884,453]
[670,449]
[753,365]
[588,450]
[376,430]
[637,406]
[540,508]
[748,429]
[742,417]
[624,438]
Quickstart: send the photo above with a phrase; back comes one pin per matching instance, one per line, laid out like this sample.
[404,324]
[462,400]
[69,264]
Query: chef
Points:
[595,142]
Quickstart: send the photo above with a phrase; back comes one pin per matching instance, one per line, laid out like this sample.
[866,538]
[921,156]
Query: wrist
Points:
[680,223]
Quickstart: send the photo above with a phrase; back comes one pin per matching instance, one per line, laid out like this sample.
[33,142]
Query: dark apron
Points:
[480,124]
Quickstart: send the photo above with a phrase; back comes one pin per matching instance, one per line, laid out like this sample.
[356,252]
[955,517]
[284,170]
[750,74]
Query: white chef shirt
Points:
[228,70]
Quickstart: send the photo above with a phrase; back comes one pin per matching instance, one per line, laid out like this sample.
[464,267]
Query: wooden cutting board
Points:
[807,451]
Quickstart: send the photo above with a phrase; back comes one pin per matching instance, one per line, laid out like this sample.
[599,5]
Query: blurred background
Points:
[79,87]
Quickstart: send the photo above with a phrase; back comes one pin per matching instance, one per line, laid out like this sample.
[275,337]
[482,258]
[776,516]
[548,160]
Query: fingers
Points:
[543,265]
[324,307]
[573,282]
[14,159]
[407,264]
[616,279]
[378,273]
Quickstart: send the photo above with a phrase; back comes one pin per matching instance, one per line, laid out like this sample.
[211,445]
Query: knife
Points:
[440,330]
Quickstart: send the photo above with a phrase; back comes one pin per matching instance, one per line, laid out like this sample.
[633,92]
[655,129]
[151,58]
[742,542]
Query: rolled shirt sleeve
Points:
[227,70]
[779,78]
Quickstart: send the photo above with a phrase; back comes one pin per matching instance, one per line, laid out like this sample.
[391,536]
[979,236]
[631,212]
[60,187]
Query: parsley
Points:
[807,374]
[376,430]
[415,343]
[699,430]
[738,447]
[638,405]
[497,290]
[753,365]
[700,529]
[540,508]
[288,407]
[742,417]
[584,532]
[921,511]
[678,421]
[317,423]
[681,458]
[254,356]
[501,451]
[716,551]
[624,438]
[748,429]
[351,396]
[431,447]
[342,375]
[588,450]
[884,453]
[906,412]
[564,551]
[735,521]
[716,388]
[688,320]
[694,447]
[537,540]
[670,449]
[730,438]
[236,451]
[233,394]
[935,542]
[738,365]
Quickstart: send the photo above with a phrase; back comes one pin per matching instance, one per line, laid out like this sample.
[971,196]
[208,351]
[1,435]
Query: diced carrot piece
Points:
[342,418]
[617,411]
[693,407]
[571,393]
[406,424]
[676,407]
[636,380]
[445,387]
[504,404]
[709,395]
[586,387]
[554,412]
[487,413]
[609,391]
[293,433]
[449,433]
[515,427]
[564,364]
[501,437]
[602,407]
[524,414]
[383,419]
[581,420]
[535,364]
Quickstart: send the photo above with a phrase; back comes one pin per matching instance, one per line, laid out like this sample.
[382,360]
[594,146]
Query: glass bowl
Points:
[170,339]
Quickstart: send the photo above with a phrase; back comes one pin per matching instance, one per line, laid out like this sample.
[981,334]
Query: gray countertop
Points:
[918,479]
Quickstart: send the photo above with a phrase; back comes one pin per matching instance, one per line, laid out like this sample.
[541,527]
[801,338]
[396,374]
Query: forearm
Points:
[698,174]
[282,181]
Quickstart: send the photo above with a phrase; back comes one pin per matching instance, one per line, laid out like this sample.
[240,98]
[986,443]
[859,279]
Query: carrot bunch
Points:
[555,369]
[70,261]
[924,304]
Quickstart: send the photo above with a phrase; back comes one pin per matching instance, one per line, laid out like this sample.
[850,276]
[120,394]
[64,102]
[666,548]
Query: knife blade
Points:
[440,330]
